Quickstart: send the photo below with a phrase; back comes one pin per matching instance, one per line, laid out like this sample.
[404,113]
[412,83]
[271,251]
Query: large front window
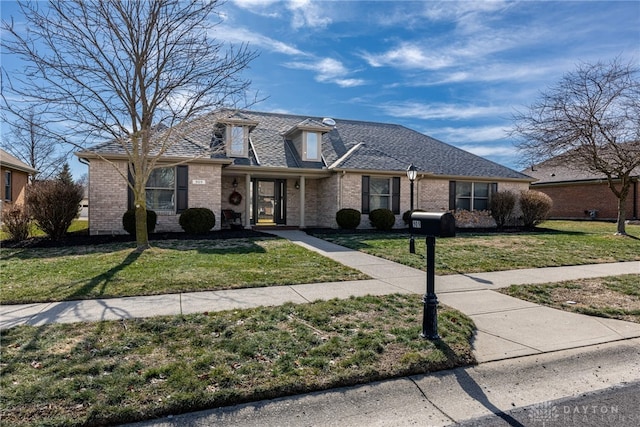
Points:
[472,196]
[161,188]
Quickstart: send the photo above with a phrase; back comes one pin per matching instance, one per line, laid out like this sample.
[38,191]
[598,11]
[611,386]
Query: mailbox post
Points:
[432,224]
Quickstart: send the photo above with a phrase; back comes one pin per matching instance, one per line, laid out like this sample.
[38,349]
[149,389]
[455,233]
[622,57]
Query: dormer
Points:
[234,131]
[307,138]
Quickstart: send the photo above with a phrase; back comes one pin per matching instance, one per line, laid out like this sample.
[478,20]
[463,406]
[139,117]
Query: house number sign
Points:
[198,182]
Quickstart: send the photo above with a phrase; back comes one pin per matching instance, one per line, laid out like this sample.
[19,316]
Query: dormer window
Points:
[311,151]
[306,137]
[237,141]
[235,128]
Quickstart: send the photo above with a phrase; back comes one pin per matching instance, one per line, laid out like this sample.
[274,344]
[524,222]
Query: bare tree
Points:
[589,121]
[112,69]
[28,141]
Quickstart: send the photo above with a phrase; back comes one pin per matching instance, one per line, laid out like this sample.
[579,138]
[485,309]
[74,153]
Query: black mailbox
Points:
[438,224]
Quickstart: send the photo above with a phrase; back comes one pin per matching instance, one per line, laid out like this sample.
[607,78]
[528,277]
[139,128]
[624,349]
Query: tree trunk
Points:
[142,237]
[622,214]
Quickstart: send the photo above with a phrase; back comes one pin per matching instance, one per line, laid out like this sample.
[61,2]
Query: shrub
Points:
[382,219]
[348,219]
[16,222]
[54,204]
[406,217]
[535,207]
[197,220]
[502,205]
[129,221]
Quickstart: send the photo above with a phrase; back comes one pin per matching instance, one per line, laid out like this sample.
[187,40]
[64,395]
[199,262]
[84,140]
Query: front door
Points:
[269,202]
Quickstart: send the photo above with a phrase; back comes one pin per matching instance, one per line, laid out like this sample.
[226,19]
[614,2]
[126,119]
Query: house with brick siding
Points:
[286,170]
[582,194]
[14,177]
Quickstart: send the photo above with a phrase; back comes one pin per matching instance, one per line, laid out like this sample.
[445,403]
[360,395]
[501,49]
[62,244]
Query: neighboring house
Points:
[581,194]
[13,181]
[290,170]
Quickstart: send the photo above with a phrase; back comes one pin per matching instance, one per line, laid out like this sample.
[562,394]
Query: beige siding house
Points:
[14,177]
[284,170]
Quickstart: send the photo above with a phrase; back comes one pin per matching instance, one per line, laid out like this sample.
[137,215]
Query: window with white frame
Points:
[237,141]
[161,189]
[311,146]
[472,195]
[380,193]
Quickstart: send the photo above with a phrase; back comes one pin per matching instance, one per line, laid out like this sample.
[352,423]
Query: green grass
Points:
[123,371]
[77,226]
[616,297]
[556,243]
[116,270]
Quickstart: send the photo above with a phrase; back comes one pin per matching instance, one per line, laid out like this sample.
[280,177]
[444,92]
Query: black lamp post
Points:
[412,172]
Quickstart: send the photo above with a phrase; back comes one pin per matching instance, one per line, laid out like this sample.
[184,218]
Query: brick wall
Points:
[108,196]
[571,201]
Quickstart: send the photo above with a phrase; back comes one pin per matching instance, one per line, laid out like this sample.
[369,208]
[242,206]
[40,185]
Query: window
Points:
[237,141]
[7,185]
[470,195]
[380,193]
[160,190]
[167,190]
[312,146]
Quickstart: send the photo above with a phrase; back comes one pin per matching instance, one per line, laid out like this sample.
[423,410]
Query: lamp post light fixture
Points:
[412,173]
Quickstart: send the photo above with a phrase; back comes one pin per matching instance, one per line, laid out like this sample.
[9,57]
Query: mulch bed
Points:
[83,239]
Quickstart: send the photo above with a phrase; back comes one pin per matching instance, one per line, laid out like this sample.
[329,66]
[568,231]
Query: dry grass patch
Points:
[114,372]
[616,297]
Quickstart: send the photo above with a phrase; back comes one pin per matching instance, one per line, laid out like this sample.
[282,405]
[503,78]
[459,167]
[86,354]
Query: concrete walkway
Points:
[529,353]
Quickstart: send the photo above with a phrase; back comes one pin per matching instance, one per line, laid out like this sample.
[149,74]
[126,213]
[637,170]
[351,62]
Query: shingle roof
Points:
[546,173]
[375,146]
[13,162]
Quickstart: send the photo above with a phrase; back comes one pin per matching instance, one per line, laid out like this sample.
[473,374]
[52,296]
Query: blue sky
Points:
[453,70]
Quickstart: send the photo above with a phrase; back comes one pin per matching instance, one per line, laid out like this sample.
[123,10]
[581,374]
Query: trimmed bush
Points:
[502,205]
[17,223]
[382,219]
[406,217]
[348,219]
[197,220]
[535,207]
[129,221]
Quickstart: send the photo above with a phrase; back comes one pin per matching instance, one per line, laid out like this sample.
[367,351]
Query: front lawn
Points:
[555,243]
[113,372]
[171,266]
[616,297]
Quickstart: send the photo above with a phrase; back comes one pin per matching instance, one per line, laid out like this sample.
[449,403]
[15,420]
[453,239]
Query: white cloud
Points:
[410,55]
[308,14]
[472,134]
[328,70]
[490,150]
[243,35]
[441,111]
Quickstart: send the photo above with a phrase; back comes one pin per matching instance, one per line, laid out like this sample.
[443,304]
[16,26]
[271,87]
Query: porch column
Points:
[247,201]
[302,198]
